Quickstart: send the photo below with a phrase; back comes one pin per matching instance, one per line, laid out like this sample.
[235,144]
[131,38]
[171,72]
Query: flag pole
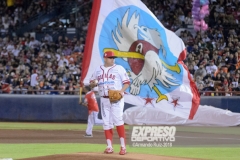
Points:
[80,94]
[89,45]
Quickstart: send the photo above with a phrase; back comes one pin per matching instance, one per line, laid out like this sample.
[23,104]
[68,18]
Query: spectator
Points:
[48,38]
[231,63]
[199,83]
[201,71]
[54,80]
[188,19]
[46,88]
[211,68]
[34,79]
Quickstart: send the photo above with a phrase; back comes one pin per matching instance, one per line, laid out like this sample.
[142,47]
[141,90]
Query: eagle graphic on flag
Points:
[151,54]
[146,67]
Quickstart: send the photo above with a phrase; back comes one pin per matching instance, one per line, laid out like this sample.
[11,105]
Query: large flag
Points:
[152,55]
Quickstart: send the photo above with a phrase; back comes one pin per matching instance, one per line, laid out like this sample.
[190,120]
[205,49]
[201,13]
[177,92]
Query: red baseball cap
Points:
[108,54]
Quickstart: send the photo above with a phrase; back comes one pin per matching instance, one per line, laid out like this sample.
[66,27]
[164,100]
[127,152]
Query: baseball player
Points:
[90,102]
[114,77]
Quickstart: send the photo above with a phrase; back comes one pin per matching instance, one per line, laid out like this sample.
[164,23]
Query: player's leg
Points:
[90,125]
[117,116]
[107,123]
[97,121]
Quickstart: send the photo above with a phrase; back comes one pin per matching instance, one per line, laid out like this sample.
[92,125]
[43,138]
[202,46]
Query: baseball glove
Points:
[114,95]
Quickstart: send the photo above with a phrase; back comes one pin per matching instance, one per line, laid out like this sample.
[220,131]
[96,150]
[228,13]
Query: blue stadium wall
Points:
[55,108]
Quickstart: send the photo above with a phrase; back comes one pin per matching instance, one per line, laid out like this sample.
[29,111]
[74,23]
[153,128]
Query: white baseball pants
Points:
[112,113]
[93,120]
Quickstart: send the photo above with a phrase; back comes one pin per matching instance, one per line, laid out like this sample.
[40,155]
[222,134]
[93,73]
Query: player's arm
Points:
[125,86]
[125,79]
[93,80]
[84,103]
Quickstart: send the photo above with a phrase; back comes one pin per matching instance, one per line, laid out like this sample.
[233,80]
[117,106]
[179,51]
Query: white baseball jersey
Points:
[110,78]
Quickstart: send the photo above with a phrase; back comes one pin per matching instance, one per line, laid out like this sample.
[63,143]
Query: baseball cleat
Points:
[122,151]
[88,135]
[108,150]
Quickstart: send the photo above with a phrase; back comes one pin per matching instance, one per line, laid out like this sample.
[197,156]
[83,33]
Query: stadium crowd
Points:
[48,66]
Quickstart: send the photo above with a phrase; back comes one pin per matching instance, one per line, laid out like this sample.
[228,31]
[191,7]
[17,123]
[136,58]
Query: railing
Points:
[40,91]
[219,93]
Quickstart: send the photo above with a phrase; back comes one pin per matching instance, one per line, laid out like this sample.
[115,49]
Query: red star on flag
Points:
[175,102]
[148,100]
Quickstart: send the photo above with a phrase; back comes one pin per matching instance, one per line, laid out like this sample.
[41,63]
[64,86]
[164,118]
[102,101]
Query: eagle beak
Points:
[123,54]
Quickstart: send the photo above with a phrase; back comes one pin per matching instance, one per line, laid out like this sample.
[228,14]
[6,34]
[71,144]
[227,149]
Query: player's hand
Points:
[83,104]
[121,92]
[80,102]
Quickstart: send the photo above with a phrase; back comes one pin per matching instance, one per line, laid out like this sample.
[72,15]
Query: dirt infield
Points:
[43,136]
[101,156]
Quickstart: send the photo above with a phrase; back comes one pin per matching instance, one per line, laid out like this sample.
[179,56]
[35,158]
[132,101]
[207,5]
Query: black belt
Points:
[105,96]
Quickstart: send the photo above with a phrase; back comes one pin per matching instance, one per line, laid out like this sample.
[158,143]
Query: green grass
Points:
[78,126]
[17,151]
[44,126]
[215,130]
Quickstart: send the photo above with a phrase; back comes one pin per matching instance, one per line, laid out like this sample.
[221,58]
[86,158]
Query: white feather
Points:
[126,33]
[152,71]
